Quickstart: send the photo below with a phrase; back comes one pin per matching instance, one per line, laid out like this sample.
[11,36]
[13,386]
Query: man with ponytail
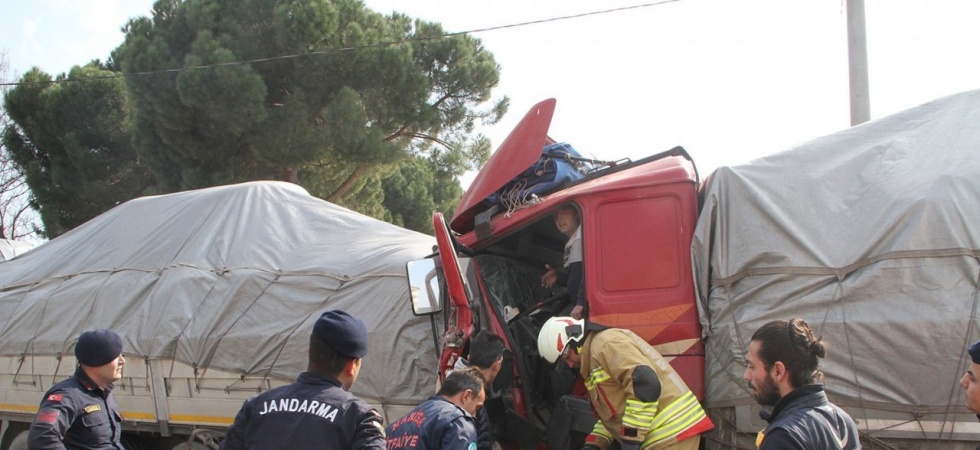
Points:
[781,371]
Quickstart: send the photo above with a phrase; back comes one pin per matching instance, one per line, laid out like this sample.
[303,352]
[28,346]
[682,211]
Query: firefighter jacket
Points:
[484,431]
[76,414]
[639,398]
[308,414]
[436,424]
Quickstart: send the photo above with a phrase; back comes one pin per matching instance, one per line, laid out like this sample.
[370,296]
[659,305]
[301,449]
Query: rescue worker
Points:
[781,367]
[969,381]
[571,275]
[80,412]
[316,411]
[446,420]
[640,400]
[486,355]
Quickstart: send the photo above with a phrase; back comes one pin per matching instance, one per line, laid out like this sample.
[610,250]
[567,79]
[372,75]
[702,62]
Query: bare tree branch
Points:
[17,220]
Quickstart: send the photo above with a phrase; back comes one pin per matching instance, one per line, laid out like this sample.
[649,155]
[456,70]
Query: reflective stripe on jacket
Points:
[609,359]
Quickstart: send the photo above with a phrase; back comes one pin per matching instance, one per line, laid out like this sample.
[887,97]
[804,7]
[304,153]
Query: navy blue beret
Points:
[975,352]
[97,348]
[344,333]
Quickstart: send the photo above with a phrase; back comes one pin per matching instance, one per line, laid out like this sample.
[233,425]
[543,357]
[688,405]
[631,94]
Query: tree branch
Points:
[348,183]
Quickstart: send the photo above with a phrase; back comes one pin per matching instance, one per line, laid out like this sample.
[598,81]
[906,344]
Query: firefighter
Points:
[446,420]
[487,356]
[317,410]
[640,400]
[80,412]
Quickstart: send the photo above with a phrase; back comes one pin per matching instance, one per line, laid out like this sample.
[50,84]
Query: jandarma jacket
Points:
[303,415]
[76,414]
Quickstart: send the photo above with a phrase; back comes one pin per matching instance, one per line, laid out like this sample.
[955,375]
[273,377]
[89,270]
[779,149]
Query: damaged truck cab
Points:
[637,220]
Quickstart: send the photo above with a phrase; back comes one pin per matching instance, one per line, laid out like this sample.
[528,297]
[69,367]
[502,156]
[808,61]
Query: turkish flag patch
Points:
[54,398]
[47,416]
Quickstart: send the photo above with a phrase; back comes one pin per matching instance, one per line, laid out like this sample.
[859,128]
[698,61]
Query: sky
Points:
[729,80]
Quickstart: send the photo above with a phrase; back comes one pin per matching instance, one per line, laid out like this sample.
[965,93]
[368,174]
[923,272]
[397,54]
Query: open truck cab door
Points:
[428,295]
[636,220]
[460,324]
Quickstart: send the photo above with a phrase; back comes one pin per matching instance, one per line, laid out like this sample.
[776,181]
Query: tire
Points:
[10,431]
[19,442]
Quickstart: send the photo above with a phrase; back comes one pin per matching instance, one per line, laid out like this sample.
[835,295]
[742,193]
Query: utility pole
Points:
[857,56]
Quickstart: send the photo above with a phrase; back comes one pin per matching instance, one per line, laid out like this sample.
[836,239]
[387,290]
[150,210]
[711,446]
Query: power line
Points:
[347,49]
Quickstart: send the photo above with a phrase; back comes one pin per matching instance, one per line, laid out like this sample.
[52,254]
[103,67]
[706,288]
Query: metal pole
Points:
[857,52]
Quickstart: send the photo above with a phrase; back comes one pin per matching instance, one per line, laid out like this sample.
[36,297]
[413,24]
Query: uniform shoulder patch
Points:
[48,416]
[92,408]
[54,398]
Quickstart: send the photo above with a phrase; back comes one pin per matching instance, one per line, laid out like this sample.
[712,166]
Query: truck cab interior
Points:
[509,273]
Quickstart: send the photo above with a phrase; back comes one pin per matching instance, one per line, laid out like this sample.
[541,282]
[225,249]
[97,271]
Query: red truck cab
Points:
[637,221]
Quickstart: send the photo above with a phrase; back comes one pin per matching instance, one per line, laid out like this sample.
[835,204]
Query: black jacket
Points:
[315,412]
[484,434]
[805,420]
[76,414]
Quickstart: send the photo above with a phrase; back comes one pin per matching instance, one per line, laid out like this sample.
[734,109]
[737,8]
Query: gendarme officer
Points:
[79,413]
[316,411]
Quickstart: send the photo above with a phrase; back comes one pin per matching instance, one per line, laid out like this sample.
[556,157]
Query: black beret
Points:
[344,333]
[975,352]
[97,348]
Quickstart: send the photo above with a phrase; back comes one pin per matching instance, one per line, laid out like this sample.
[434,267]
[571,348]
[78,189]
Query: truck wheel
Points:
[19,442]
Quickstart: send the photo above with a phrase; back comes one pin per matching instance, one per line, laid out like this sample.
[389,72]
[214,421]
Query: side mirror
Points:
[423,284]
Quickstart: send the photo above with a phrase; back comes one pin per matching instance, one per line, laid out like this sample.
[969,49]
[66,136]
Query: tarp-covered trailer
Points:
[215,292]
[871,234]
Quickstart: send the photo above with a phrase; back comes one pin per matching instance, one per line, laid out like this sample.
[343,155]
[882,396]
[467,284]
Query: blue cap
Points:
[975,352]
[96,348]
[344,333]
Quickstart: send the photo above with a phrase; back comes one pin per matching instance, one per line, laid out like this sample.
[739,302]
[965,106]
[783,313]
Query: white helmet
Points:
[554,336]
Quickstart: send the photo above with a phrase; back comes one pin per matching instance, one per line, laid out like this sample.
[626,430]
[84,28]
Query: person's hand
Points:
[577,312]
[549,278]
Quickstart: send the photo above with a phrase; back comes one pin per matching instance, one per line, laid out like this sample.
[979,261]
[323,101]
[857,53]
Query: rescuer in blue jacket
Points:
[80,412]
[487,356]
[316,411]
[446,420]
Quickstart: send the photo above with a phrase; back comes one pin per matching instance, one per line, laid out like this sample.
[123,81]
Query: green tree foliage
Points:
[344,109]
[417,189]
[72,141]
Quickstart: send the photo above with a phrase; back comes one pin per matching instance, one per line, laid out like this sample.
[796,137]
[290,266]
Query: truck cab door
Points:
[459,325]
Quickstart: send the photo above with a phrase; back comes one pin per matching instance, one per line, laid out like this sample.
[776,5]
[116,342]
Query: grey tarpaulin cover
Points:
[232,278]
[870,234]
